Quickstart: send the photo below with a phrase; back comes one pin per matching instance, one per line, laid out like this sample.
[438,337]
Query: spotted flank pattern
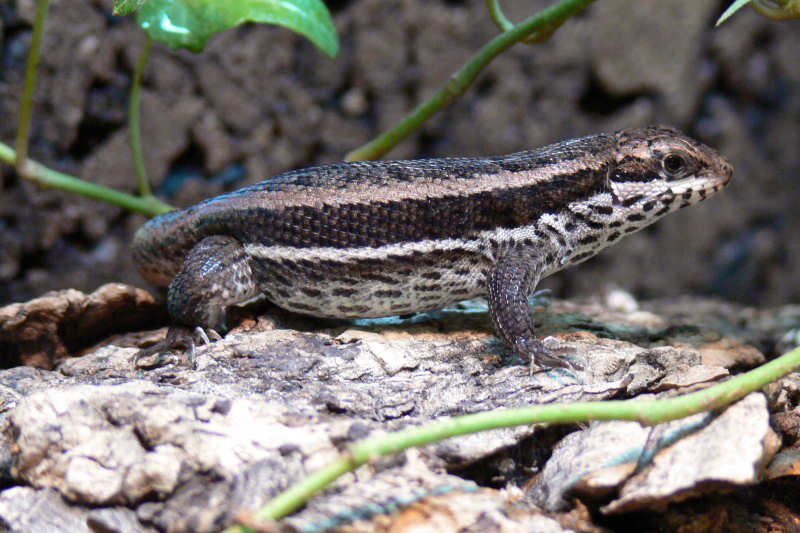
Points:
[373,239]
[370,282]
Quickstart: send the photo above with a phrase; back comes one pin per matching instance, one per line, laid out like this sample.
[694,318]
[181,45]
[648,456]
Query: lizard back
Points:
[377,203]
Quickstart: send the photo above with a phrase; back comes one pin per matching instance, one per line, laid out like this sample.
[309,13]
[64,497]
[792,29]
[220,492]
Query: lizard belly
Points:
[370,282]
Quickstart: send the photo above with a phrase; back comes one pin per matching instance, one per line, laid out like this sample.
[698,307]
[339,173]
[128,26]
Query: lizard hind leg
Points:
[509,283]
[216,273]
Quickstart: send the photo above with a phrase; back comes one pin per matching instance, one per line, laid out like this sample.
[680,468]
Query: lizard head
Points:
[659,169]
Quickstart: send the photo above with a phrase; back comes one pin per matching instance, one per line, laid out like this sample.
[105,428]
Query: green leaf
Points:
[733,8]
[126,7]
[189,23]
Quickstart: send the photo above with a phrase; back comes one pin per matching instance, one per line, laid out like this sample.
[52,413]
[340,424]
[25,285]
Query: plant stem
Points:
[149,205]
[502,22]
[134,130]
[544,22]
[648,412]
[497,15]
[34,171]
[26,105]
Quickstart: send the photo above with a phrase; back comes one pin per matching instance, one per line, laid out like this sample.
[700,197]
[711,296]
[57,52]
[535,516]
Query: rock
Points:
[194,445]
[653,467]
[47,329]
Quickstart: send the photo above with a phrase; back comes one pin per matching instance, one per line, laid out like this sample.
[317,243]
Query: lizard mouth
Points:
[704,184]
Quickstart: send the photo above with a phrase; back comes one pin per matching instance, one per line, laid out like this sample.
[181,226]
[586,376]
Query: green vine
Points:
[536,26]
[500,19]
[24,124]
[46,177]
[203,19]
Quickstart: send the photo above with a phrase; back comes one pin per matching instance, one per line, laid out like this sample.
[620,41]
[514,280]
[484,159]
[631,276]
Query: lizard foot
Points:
[543,357]
[177,338]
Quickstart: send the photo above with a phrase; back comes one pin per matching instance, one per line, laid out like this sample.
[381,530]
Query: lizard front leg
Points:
[509,284]
[215,273]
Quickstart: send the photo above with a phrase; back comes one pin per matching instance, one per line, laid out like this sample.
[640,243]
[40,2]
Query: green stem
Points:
[647,412]
[497,15]
[23,127]
[149,205]
[34,171]
[500,19]
[135,132]
[544,22]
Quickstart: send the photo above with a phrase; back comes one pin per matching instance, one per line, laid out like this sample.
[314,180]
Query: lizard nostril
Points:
[727,168]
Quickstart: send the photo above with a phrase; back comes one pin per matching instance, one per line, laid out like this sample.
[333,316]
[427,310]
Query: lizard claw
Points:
[204,336]
[542,357]
[178,337]
[541,298]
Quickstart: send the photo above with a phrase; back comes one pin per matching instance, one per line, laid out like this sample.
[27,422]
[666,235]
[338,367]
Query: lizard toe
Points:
[541,356]
[180,338]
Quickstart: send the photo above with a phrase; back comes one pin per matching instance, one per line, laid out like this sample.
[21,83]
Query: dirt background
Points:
[260,100]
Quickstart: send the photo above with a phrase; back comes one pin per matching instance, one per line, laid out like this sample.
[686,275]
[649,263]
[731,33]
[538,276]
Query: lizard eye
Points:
[674,164]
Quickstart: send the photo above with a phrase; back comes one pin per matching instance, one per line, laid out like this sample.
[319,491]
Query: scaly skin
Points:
[369,239]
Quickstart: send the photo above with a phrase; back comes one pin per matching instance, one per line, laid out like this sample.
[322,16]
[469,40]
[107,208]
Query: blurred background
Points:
[260,100]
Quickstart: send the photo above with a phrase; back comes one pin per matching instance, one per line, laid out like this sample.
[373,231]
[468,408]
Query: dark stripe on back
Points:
[379,223]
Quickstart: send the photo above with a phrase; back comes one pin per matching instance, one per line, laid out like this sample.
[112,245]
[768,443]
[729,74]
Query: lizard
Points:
[381,238]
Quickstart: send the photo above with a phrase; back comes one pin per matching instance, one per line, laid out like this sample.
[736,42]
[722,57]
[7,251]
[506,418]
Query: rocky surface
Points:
[109,442]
